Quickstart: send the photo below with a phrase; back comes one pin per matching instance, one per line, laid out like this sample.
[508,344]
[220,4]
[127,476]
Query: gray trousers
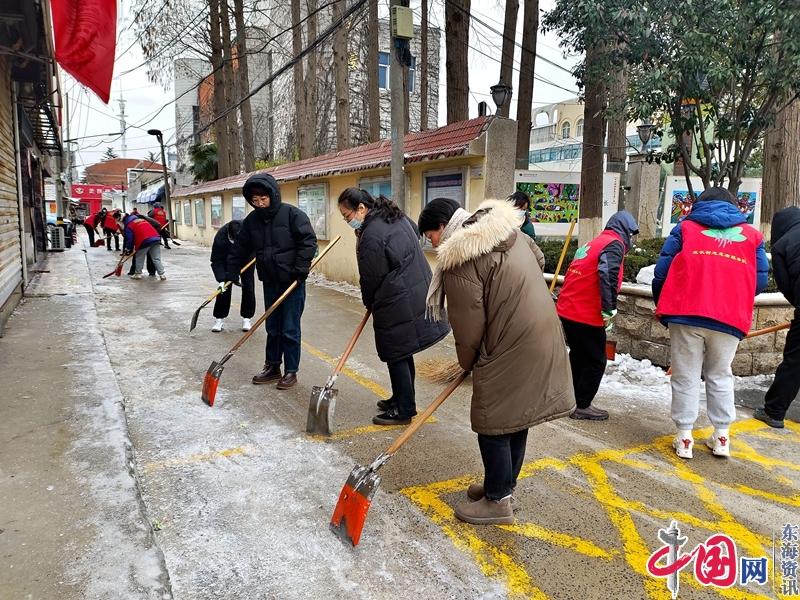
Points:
[154,250]
[696,352]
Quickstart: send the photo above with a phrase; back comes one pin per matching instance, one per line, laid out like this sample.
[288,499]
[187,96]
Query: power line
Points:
[138,14]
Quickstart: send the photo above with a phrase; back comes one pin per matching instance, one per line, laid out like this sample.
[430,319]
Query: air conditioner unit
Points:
[57,241]
[402,22]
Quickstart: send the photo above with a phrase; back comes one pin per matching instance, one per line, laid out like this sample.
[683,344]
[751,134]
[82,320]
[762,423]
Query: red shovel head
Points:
[354,501]
[211,382]
[99,243]
[611,350]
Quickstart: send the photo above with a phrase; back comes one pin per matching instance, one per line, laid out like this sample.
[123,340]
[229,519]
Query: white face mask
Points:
[521,214]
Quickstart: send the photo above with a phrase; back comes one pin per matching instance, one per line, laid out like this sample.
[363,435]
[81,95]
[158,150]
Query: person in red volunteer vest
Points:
[141,237]
[587,306]
[111,227]
[710,269]
[90,223]
[159,214]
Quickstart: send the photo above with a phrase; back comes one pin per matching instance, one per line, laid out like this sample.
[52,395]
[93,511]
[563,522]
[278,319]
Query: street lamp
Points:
[501,93]
[645,131]
[160,138]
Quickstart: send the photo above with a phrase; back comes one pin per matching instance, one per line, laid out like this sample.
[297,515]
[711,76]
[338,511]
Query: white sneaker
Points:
[683,444]
[246,325]
[720,443]
[219,325]
[162,277]
[136,276]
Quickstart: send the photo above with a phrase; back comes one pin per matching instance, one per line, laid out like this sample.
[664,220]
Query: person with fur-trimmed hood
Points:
[283,241]
[508,335]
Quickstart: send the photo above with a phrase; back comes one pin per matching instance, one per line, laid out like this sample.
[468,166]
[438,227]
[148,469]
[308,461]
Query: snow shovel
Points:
[118,269]
[561,258]
[323,399]
[356,496]
[211,380]
[99,243]
[214,295]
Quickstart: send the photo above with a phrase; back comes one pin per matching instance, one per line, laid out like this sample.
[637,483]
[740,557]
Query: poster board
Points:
[555,199]
[678,203]
[445,185]
[238,208]
[313,200]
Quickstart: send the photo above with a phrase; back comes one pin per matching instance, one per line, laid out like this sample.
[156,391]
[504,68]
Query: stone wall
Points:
[639,334]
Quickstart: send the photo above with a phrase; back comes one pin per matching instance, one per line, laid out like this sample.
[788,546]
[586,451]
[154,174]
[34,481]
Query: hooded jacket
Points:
[280,236]
[394,277]
[785,236]
[504,323]
[220,250]
[714,214]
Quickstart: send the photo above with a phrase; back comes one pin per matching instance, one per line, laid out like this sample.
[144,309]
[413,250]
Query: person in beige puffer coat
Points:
[508,335]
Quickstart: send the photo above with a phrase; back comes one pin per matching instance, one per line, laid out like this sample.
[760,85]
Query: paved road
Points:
[234,501]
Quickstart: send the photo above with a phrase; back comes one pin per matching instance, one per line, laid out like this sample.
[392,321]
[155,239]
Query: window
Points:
[377,187]
[216,211]
[579,128]
[176,208]
[384,60]
[445,186]
[238,208]
[313,200]
[565,130]
[200,212]
[383,70]
[187,212]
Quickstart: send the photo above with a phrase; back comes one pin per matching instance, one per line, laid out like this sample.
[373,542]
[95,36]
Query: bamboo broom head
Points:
[439,370]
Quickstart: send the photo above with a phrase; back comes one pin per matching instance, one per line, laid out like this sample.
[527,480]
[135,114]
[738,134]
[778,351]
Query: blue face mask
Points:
[355,223]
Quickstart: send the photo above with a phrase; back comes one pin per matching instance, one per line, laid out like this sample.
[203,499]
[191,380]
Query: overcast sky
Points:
[90,117]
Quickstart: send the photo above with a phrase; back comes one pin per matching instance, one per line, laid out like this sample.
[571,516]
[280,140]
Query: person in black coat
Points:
[223,242]
[785,239]
[394,277]
[283,241]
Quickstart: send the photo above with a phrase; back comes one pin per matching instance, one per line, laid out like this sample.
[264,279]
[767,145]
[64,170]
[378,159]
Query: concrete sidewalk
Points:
[238,498]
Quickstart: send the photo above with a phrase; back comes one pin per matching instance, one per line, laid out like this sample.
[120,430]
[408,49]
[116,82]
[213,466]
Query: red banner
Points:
[85,35]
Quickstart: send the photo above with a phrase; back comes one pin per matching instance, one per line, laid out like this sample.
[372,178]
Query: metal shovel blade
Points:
[211,382]
[354,500]
[195,316]
[320,410]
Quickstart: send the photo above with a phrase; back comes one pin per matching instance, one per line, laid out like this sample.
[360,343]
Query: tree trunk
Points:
[231,89]
[303,145]
[373,93]
[270,112]
[220,126]
[340,60]
[456,15]
[781,179]
[591,191]
[423,67]
[312,83]
[248,144]
[530,27]
[617,126]
[507,57]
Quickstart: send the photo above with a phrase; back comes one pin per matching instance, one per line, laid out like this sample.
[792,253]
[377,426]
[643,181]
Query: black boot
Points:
[270,373]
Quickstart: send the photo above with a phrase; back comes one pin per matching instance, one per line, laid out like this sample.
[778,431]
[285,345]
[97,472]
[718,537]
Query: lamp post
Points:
[645,131]
[501,93]
[160,138]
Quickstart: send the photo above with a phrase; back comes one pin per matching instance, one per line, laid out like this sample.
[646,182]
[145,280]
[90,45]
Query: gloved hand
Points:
[223,285]
[300,277]
[608,318]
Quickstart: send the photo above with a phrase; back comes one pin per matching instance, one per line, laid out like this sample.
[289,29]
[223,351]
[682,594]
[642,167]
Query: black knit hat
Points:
[719,194]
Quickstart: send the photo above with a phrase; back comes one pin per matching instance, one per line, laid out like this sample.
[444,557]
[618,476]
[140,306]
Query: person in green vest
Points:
[522,203]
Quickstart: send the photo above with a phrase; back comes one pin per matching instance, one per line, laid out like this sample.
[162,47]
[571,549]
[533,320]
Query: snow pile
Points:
[349,289]
[646,275]
[635,380]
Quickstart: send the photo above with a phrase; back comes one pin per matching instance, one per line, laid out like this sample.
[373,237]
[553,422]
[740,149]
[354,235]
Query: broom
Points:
[439,370]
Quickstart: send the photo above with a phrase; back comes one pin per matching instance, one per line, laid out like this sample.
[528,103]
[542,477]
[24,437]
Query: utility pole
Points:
[122,125]
[68,144]
[160,138]
[402,30]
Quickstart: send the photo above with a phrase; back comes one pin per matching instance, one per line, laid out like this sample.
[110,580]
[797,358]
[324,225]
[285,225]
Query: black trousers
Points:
[222,305]
[109,233]
[90,233]
[502,456]
[151,268]
[786,385]
[402,374]
[165,237]
[587,359]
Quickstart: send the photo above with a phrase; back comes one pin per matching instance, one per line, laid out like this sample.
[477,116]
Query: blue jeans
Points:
[283,325]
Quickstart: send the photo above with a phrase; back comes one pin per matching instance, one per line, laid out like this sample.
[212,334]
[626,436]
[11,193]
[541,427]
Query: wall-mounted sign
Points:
[313,200]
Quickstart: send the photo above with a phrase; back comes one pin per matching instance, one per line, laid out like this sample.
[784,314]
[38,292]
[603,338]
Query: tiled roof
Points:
[450,140]
[119,166]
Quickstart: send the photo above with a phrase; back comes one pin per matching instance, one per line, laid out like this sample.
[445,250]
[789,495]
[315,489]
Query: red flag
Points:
[85,36]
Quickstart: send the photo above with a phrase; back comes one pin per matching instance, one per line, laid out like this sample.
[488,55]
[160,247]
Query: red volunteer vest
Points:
[142,230]
[579,299]
[110,222]
[713,276]
[160,215]
[91,221]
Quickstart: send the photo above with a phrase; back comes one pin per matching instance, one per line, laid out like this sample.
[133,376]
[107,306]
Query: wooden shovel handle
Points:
[420,420]
[280,299]
[561,258]
[767,330]
[351,344]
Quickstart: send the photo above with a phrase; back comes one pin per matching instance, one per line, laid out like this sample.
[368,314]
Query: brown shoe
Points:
[475,492]
[487,512]
[287,381]
[590,414]
[270,373]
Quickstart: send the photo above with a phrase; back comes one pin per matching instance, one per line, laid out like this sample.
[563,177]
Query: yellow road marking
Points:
[363,430]
[201,457]
[496,562]
[364,382]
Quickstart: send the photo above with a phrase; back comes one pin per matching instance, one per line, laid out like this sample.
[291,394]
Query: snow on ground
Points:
[319,280]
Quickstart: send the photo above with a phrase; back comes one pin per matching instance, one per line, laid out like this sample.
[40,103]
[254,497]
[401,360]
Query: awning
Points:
[150,195]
